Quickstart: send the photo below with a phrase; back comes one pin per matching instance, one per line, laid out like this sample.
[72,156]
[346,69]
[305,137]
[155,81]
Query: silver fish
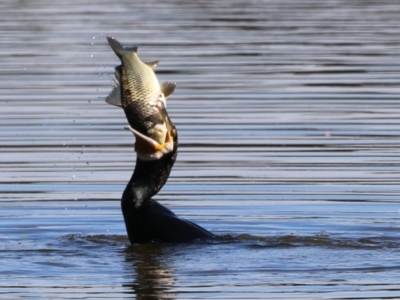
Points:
[162,137]
[138,92]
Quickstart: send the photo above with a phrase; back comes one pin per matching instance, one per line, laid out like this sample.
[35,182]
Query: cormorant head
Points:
[148,149]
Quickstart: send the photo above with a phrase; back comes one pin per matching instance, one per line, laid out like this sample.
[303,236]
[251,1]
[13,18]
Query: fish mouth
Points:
[148,149]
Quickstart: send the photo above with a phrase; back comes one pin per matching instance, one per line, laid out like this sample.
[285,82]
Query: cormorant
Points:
[147,220]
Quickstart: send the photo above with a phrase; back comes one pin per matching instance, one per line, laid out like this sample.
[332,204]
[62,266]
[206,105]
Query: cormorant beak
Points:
[149,149]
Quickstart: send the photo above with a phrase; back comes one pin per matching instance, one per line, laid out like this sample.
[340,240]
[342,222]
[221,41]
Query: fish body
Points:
[139,93]
[162,137]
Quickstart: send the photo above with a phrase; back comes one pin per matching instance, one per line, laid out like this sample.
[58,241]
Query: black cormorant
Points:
[147,220]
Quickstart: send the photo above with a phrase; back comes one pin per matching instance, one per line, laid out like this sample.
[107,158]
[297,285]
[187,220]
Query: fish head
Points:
[149,149]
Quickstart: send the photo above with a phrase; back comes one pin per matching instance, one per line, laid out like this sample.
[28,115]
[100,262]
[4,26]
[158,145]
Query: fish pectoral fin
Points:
[114,98]
[152,64]
[167,88]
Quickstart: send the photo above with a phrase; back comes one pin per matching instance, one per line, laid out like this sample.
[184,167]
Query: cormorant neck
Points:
[147,180]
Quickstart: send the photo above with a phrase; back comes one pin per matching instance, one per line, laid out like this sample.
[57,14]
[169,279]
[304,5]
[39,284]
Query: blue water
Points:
[287,113]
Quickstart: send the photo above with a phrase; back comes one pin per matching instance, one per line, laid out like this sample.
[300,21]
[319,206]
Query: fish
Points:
[148,149]
[162,138]
[137,90]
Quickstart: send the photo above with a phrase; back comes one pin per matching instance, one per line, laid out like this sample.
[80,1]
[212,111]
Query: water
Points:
[287,113]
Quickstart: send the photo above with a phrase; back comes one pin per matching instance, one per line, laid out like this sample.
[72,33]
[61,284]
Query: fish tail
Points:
[118,48]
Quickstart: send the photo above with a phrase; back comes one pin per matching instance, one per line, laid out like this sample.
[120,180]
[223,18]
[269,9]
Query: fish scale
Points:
[139,93]
[137,100]
[143,100]
[139,88]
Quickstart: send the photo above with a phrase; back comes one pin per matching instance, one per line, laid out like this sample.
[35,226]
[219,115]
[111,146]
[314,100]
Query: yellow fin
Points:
[167,88]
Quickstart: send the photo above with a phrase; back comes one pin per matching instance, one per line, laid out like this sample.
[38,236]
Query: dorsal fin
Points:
[114,98]
[153,64]
[167,88]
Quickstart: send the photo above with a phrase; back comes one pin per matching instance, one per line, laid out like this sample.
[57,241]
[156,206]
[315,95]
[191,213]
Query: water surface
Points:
[288,122]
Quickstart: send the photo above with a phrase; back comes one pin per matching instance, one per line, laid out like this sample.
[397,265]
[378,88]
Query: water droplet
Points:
[323,234]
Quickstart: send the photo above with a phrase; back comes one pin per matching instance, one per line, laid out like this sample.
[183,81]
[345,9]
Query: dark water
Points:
[288,117]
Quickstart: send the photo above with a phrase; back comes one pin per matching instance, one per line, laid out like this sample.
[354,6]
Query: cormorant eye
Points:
[173,132]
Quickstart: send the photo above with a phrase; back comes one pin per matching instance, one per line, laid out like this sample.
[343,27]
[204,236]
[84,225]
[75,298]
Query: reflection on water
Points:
[151,271]
[304,266]
[287,114]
